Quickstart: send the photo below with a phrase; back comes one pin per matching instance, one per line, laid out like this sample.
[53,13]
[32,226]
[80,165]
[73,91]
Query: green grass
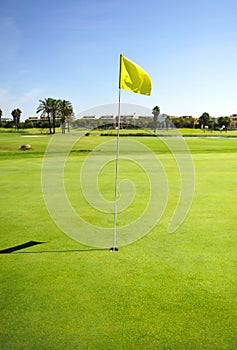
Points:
[200,132]
[165,291]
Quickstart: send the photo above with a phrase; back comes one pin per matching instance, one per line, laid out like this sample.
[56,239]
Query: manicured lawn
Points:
[164,291]
[200,132]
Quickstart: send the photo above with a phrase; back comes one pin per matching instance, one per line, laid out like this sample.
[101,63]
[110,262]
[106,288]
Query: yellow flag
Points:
[133,78]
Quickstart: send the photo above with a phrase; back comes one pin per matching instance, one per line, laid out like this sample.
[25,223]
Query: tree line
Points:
[205,121]
[57,111]
[53,110]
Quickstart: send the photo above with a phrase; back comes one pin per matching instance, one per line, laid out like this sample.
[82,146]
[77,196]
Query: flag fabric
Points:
[133,78]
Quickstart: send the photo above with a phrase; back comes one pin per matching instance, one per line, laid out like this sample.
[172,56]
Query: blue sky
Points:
[70,50]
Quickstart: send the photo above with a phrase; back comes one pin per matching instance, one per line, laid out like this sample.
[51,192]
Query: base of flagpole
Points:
[113,249]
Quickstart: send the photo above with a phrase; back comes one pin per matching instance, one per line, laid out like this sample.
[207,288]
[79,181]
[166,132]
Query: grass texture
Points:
[165,291]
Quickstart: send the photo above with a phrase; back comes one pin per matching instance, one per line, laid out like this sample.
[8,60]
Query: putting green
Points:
[164,291]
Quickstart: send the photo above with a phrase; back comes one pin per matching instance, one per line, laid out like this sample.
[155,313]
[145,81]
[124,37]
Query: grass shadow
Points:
[65,251]
[19,247]
[15,249]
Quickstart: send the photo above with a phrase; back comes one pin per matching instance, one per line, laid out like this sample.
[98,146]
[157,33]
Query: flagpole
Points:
[114,249]
[132,78]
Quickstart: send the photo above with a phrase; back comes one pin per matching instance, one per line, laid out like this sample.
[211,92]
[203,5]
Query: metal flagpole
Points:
[114,249]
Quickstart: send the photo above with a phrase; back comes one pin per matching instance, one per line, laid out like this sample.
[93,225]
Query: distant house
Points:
[109,117]
[89,117]
[126,117]
[108,120]
[35,120]
[5,120]
[145,117]
[233,123]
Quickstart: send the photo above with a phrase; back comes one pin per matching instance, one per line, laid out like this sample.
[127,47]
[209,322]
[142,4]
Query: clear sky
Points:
[70,50]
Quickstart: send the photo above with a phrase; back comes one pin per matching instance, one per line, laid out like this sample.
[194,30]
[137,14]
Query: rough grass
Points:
[165,291]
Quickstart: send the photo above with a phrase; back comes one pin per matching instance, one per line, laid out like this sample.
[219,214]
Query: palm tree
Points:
[16,114]
[65,112]
[45,108]
[156,113]
[54,109]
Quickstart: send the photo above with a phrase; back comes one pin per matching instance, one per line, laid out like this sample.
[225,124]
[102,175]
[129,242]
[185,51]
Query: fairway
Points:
[162,291]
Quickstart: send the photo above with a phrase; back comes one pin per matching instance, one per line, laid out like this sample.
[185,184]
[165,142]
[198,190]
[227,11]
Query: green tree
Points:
[16,114]
[204,120]
[28,124]
[65,112]
[224,122]
[0,117]
[156,113]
